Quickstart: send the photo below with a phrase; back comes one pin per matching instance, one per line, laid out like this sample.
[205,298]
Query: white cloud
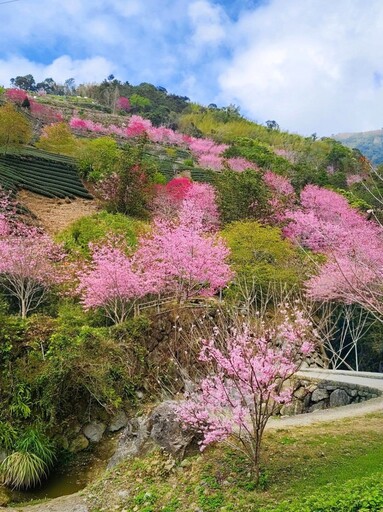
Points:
[310,65]
[208,22]
[90,70]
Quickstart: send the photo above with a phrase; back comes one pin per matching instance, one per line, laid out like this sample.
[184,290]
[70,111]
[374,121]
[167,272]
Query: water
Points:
[71,476]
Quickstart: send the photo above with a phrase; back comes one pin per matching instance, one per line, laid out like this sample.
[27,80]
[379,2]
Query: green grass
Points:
[314,461]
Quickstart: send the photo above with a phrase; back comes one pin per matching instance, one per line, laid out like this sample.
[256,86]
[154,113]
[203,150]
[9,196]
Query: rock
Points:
[319,394]
[353,392]
[338,398]
[94,431]
[317,407]
[300,392]
[119,421]
[167,431]
[160,429]
[78,444]
[132,442]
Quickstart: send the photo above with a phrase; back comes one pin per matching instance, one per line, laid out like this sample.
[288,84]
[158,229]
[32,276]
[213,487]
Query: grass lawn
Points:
[297,463]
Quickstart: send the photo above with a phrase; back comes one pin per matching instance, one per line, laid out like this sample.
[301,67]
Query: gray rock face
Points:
[319,394]
[338,398]
[160,429]
[119,421]
[94,431]
[132,441]
[167,431]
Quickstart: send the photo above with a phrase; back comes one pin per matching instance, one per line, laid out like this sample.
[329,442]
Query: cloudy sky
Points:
[311,65]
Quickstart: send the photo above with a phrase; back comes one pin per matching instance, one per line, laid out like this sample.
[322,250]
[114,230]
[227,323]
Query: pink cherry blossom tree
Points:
[353,246]
[112,283]
[182,197]
[249,382]
[183,259]
[28,266]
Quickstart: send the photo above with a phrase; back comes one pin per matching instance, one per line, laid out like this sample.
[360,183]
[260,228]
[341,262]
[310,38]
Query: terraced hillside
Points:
[41,172]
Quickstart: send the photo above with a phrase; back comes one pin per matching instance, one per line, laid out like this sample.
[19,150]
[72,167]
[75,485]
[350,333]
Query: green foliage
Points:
[31,461]
[58,138]
[8,436]
[33,441]
[139,103]
[98,227]
[259,153]
[241,195]
[98,157]
[15,129]
[130,188]
[259,254]
[23,470]
[361,495]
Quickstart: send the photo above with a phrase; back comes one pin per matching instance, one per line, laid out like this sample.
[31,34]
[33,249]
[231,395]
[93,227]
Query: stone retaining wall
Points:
[310,396]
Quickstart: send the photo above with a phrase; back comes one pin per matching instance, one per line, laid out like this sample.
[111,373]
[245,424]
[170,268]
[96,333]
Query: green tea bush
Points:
[97,227]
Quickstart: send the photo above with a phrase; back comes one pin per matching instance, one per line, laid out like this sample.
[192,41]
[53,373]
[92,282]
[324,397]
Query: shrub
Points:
[97,227]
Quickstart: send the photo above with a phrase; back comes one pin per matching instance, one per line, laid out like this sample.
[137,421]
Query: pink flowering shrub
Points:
[28,267]
[123,103]
[240,164]
[181,197]
[249,382]
[183,259]
[16,95]
[211,161]
[353,246]
[112,283]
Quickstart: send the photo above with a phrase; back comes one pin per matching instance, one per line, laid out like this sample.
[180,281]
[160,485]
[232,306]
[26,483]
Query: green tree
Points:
[98,158]
[260,255]
[241,195]
[58,138]
[15,129]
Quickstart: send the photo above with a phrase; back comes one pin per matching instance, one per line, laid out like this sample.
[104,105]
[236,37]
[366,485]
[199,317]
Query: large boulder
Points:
[119,421]
[161,428]
[167,432]
[94,431]
[132,441]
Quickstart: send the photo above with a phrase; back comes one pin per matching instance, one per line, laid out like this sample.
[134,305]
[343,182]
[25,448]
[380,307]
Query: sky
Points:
[313,66]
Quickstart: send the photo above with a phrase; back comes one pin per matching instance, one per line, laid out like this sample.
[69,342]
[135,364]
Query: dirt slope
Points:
[55,215]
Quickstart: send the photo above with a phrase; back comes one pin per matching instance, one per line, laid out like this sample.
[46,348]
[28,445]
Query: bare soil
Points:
[54,215]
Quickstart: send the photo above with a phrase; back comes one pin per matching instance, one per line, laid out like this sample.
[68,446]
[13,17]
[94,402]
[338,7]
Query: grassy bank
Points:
[298,463]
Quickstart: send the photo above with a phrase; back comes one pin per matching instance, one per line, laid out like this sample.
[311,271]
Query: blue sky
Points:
[311,65]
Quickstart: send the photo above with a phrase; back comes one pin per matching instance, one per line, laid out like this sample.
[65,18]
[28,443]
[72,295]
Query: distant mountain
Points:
[369,143]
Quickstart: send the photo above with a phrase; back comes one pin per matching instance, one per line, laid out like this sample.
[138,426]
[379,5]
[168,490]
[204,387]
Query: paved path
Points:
[75,503]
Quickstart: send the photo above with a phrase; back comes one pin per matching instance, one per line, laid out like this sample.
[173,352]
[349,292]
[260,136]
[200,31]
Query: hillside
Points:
[369,143]
[148,243]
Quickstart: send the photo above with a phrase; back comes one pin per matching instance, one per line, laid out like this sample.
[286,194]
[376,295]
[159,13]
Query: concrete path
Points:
[374,381]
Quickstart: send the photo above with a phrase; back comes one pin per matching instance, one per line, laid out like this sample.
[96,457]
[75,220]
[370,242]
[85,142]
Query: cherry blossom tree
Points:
[181,196]
[28,267]
[353,246]
[249,384]
[183,259]
[111,282]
